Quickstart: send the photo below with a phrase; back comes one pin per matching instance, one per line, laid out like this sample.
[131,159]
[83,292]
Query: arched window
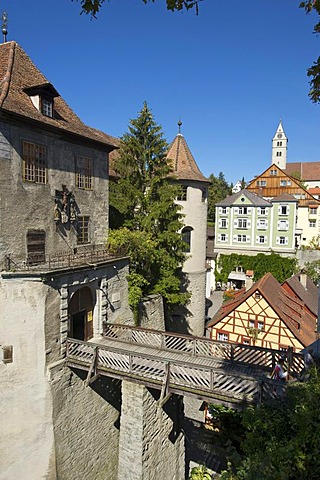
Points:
[186,237]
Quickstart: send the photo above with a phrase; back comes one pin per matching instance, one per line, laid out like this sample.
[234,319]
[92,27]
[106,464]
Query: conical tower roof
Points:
[182,161]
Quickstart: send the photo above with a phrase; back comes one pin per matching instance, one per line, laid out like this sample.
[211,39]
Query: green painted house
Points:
[247,223]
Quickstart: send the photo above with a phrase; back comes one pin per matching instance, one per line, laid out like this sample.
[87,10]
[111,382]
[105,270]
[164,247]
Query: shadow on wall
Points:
[106,387]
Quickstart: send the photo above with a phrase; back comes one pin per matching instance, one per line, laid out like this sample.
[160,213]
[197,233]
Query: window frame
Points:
[34,162]
[83,229]
[84,172]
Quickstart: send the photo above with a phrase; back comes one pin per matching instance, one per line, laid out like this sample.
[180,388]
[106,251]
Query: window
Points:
[34,162]
[262,211]
[282,240]
[312,223]
[243,238]
[245,341]
[84,172]
[262,224]
[242,223]
[243,210]
[279,154]
[224,223]
[204,194]
[279,144]
[223,336]
[83,229]
[186,237]
[261,183]
[183,195]
[312,211]
[47,107]
[257,295]
[254,323]
[36,241]
[283,225]
[223,237]
[223,210]
[283,210]
[284,183]
[262,239]
[273,172]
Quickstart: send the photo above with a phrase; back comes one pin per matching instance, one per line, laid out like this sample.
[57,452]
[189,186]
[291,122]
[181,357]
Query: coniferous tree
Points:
[143,202]
[218,190]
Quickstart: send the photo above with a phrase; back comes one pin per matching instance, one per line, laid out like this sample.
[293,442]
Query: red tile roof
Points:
[18,73]
[306,170]
[183,163]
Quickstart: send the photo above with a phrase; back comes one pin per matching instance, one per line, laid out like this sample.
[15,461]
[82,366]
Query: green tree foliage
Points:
[92,7]
[219,189]
[282,439]
[313,271]
[145,219]
[314,71]
[280,267]
[200,473]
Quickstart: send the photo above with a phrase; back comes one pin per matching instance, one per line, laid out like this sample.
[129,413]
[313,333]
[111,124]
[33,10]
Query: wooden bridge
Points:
[214,371]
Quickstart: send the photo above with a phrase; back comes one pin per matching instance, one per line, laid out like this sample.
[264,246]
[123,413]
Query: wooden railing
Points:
[264,358]
[174,376]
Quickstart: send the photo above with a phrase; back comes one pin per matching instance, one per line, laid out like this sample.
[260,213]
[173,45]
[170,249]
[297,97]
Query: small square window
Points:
[47,107]
[183,195]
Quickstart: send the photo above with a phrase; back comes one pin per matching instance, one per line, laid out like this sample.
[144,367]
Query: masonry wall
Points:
[30,206]
[151,443]
[86,425]
[27,438]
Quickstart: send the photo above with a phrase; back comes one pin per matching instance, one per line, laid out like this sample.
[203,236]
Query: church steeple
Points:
[279,148]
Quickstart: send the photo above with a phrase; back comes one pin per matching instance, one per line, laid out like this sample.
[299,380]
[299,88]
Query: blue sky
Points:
[229,73]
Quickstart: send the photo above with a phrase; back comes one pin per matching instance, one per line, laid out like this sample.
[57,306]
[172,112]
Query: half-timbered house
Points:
[266,315]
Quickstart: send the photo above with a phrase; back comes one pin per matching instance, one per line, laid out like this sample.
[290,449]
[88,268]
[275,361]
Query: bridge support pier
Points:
[151,443]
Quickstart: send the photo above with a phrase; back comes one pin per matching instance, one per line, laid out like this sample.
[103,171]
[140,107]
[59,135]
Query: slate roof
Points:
[182,161]
[18,74]
[307,170]
[255,199]
[290,309]
[284,197]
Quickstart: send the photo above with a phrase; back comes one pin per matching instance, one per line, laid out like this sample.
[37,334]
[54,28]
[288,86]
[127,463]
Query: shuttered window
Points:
[36,242]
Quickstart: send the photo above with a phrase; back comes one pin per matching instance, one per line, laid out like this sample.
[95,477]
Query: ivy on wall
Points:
[280,267]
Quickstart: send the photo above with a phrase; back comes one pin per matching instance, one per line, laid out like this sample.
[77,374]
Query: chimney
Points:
[303,278]
[249,279]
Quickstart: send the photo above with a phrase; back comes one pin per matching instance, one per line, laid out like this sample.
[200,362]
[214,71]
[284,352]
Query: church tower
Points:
[279,148]
[193,200]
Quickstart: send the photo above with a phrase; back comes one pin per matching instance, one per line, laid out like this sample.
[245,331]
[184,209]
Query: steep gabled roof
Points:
[18,77]
[273,188]
[182,161]
[289,308]
[253,198]
[308,295]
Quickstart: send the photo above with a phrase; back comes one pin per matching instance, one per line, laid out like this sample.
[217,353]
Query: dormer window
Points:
[42,97]
[47,107]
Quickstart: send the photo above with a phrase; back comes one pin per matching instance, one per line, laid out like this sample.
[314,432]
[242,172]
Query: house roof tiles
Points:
[183,163]
[18,74]
[254,198]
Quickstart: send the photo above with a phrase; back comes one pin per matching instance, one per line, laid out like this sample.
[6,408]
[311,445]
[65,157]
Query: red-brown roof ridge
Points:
[17,73]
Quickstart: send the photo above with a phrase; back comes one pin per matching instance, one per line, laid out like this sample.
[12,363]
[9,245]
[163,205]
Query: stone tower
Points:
[279,148]
[193,201]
